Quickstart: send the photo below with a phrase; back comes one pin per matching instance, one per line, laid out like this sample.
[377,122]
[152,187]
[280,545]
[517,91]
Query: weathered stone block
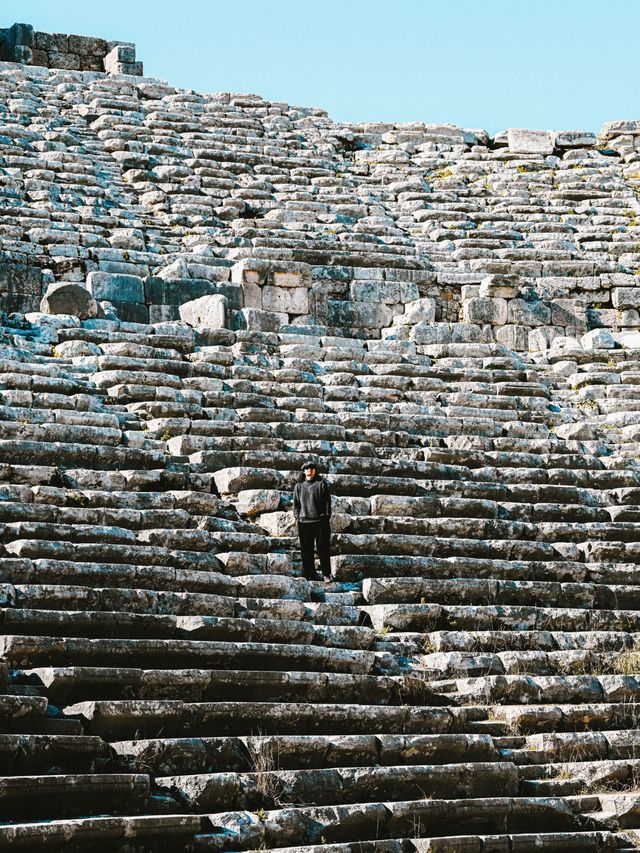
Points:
[363,315]
[205,312]
[116,286]
[486,310]
[526,313]
[626,297]
[131,312]
[64,298]
[255,320]
[522,141]
[277,273]
[417,311]
[513,336]
[598,339]
[503,286]
[254,501]
[291,300]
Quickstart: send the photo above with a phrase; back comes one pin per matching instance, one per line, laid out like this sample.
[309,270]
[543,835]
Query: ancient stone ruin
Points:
[200,292]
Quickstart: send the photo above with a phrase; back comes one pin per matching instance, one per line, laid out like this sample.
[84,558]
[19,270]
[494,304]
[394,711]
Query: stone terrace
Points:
[447,322]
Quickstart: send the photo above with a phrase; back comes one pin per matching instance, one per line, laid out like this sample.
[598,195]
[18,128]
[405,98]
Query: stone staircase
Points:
[447,324]
[170,681]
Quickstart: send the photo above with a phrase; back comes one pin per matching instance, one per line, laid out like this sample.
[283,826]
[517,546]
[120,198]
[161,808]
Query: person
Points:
[312,511]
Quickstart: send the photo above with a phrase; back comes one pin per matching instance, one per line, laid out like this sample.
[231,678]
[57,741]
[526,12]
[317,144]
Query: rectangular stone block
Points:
[175,292]
[522,141]
[626,297]
[22,34]
[116,286]
[528,313]
[70,61]
[512,336]
[292,300]
[19,278]
[375,291]
[163,313]
[87,45]
[131,312]
[485,310]
[361,315]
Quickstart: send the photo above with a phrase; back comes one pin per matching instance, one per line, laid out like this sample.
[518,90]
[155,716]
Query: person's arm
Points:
[296,501]
[327,504]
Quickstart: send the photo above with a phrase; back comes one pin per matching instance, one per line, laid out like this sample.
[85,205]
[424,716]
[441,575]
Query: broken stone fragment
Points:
[206,312]
[65,298]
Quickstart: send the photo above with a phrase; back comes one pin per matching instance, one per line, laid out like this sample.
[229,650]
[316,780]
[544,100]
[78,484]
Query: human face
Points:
[310,473]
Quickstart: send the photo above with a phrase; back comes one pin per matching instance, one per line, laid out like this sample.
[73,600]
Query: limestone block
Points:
[278,523]
[417,311]
[568,312]
[63,298]
[87,45]
[370,315]
[22,34]
[115,287]
[255,320]
[291,300]
[629,317]
[504,286]
[118,54]
[486,310]
[375,291]
[615,128]
[513,336]
[565,367]
[254,501]
[205,312]
[575,139]
[522,141]
[625,297]
[598,339]
[580,431]
[565,344]
[277,273]
[235,480]
[540,339]
[529,313]
[251,295]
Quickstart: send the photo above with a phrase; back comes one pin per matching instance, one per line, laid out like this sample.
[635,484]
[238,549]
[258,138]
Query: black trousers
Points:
[315,536]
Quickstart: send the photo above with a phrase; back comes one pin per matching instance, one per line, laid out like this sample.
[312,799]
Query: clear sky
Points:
[557,64]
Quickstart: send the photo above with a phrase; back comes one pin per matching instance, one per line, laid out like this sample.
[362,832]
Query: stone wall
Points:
[21,43]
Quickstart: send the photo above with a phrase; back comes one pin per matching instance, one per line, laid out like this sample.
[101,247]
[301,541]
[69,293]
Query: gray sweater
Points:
[312,500]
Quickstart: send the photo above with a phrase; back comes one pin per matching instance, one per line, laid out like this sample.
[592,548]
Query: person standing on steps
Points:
[312,511]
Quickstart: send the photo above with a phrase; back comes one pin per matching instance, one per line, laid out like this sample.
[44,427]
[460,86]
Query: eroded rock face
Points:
[205,312]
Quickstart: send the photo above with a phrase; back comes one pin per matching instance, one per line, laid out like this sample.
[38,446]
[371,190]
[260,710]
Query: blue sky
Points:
[558,64]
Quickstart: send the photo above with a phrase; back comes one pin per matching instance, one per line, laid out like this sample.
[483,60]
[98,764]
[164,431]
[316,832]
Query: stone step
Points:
[33,651]
[415,819]
[68,795]
[41,754]
[547,641]
[126,625]
[119,719]
[265,788]
[81,683]
[557,747]
[435,617]
[146,600]
[160,832]
[294,752]
[579,777]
